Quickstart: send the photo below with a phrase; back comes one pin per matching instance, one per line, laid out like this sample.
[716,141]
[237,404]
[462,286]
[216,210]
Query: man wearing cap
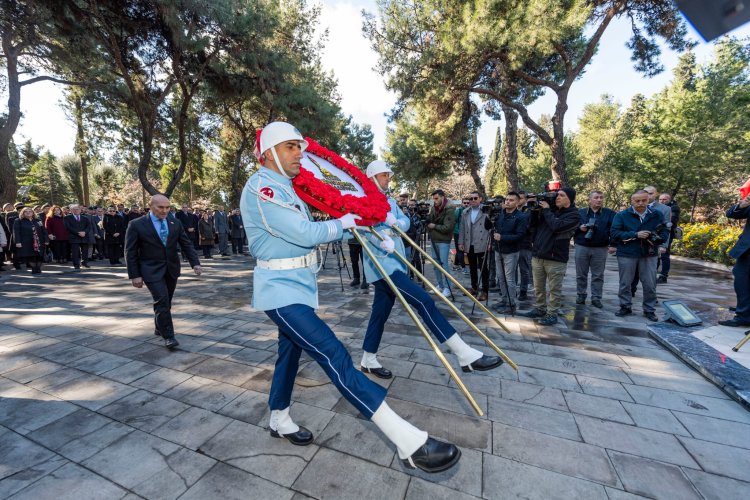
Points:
[151,256]
[554,228]
[469,358]
[282,236]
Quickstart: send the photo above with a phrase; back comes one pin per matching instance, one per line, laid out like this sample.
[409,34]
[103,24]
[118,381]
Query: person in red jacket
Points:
[58,235]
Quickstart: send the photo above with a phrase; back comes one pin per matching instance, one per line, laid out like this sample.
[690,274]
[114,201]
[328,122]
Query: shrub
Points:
[708,242]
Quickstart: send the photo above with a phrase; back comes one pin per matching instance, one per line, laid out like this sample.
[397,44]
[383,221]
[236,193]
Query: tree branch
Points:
[591,46]
[56,80]
[536,81]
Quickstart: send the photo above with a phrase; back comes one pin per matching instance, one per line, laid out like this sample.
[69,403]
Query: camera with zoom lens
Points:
[590,227]
[492,207]
[422,210]
[654,238]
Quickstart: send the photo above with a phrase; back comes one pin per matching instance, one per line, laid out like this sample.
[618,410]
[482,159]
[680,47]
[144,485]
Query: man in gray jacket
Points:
[474,239]
[221,226]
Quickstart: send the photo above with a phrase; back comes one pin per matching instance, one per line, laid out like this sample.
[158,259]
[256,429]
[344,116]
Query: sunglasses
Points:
[474,198]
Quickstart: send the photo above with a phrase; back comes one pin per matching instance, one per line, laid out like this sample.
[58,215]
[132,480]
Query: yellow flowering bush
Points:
[707,241]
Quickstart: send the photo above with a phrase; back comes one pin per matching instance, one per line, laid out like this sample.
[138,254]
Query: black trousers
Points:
[236,245]
[80,253]
[356,255]
[162,292]
[113,252]
[475,266]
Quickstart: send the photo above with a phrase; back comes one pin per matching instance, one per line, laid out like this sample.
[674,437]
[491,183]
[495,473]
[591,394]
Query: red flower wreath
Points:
[373,207]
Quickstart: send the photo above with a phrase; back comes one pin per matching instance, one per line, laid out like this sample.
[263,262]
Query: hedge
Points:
[708,242]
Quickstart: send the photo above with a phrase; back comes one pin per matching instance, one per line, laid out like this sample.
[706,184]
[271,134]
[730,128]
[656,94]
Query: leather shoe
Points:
[734,323]
[302,437]
[651,316]
[171,343]
[624,311]
[482,297]
[483,364]
[434,456]
[378,372]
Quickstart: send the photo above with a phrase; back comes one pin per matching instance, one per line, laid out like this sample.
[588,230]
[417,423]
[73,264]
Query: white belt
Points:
[308,260]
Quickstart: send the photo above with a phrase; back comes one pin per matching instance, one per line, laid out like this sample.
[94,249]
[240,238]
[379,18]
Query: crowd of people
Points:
[523,241]
[76,234]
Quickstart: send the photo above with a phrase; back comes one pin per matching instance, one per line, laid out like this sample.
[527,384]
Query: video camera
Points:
[492,206]
[549,195]
[654,238]
[421,210]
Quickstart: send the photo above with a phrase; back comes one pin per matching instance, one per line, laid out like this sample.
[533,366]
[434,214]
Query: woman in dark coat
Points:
[206,235]
[114,235]
[30,239]
[58,235]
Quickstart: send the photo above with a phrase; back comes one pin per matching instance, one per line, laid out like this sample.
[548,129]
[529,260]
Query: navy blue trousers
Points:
[741,273]
[300,329]
[416,297]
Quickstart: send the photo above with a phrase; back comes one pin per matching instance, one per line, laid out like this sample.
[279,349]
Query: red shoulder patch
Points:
[267,192]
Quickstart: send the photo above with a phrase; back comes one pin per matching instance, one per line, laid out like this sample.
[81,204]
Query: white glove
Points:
[387,244]
[391,219]
[349,221]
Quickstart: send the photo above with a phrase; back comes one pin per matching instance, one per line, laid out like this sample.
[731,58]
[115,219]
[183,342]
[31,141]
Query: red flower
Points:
[373,207]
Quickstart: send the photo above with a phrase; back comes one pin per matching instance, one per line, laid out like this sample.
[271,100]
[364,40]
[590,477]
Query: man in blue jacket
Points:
[592,246]
[741,270]
[511,226]
[640,236]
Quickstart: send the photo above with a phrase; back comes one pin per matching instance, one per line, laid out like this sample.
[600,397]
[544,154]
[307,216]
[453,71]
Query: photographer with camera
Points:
[641,236]
[511,226]
[592,246]
[474,239]
[554,228]
[440,222]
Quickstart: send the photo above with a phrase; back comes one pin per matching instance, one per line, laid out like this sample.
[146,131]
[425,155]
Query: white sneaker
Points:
[446,292]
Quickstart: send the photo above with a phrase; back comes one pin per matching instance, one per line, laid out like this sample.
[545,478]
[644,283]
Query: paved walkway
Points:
[92,406]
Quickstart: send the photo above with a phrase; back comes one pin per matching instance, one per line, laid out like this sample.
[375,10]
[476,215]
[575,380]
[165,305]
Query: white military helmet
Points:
[275,133]
[378,167]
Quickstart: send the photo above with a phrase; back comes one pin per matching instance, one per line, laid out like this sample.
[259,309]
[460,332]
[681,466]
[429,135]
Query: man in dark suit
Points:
[79,230]
[741,270]
[221,227]
[151,256]
[189,224]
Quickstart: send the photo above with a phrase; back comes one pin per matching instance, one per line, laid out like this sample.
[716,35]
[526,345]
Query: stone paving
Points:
[92,406]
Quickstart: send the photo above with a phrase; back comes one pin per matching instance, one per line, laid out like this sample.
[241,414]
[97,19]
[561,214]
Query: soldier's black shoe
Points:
[378,372]
[483,364]
[170,343]
[302,437]
[434,456]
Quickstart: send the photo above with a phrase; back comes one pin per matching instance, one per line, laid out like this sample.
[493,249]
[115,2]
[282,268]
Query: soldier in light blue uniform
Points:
[469,358]
[283,238]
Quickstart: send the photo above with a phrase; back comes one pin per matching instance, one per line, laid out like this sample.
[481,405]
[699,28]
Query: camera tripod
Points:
[417,258]
[337,249]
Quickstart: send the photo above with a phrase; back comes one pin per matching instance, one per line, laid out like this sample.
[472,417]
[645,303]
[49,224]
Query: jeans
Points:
[440,252]
[510,263]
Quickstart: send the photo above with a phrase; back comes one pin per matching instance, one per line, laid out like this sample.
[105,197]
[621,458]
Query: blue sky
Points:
[364,95]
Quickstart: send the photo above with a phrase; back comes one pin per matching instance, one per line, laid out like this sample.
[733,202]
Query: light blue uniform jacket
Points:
[279,228]
[390,263]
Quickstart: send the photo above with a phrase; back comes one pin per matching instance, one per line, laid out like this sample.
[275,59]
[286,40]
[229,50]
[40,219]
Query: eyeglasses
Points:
[474,198]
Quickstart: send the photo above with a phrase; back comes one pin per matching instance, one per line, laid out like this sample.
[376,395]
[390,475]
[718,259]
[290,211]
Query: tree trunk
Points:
[510,149]
[182,123]
[559,171]
[8,180]
[81,148]
[143,163]
[236,189]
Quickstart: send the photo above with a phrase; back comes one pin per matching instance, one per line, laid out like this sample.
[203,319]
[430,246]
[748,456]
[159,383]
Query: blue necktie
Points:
[163,232]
